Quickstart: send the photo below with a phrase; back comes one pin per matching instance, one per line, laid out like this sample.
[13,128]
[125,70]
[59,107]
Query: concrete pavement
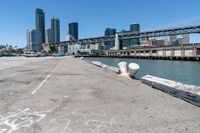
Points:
[66,95]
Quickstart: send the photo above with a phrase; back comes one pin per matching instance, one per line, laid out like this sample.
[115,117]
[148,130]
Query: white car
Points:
[30,54]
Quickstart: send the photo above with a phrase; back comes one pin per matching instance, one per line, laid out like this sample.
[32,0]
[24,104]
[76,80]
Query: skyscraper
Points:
[34,40]
[55,27]
[109,32]
[172,39]
[73,30]
[48,36]
[186,38]
[40,22]
[134,28]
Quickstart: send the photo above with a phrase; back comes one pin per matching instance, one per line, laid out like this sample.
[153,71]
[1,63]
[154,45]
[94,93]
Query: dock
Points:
[181,52]
[67,95]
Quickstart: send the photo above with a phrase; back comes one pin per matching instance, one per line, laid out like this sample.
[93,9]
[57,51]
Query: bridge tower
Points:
[117,42]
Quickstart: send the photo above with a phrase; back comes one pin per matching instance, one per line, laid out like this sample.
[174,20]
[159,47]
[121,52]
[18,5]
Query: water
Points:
[182,71]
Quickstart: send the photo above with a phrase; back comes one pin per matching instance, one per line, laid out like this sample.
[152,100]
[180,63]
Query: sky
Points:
[94,16]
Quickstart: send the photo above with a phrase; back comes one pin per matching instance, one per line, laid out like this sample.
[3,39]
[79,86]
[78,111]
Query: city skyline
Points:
[91,19]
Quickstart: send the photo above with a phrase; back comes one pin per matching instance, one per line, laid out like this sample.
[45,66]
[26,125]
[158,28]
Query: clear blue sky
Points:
[93,16]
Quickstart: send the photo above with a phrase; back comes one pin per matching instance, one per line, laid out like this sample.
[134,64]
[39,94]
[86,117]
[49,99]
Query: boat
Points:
[132,69]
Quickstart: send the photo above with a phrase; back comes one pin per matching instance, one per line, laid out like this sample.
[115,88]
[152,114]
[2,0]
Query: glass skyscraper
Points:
[55,27]
[134,28]
[40,23]
[73,30]
[48,36]
[109,32]
[34,41]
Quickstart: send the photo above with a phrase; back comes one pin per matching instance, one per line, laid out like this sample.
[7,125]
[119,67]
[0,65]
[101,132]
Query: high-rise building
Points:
[40,22]
[34,40]
[172,39]
[73,30]
[186,39]
[48,36]
[55,27]
[109,32]
[134,28]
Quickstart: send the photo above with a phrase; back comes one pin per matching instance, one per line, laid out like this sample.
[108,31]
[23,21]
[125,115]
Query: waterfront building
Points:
[172,39]
[34,40]
[124,44]
[134,28]
[159,41]
[127,43]
[179,39]
[55,27]
[109,32]
[96,46]
[73,29]
[145,42]
[48,36]
[185,39]
[40,22]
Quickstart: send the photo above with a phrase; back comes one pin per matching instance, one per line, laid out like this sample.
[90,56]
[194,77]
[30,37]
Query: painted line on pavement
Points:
[47,77]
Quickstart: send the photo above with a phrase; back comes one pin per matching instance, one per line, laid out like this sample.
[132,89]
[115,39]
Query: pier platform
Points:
[67,95]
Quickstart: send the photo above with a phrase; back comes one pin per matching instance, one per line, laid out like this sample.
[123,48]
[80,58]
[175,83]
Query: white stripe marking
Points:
[47,77]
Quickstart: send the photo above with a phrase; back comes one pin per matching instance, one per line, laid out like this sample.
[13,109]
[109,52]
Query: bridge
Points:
[132,35]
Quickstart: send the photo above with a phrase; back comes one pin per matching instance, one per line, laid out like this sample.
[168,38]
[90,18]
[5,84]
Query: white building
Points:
[88,48]
[96,46]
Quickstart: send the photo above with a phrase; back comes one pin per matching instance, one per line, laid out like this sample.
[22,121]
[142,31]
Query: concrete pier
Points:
[184,52]
[67,95]
[187,92]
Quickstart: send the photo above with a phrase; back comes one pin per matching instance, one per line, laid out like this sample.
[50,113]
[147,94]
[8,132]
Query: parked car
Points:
[39,54]
[1,53]
[59,54]
[30,54]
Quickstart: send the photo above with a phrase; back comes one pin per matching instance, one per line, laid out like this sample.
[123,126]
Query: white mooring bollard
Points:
[133,68]
[123,68]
